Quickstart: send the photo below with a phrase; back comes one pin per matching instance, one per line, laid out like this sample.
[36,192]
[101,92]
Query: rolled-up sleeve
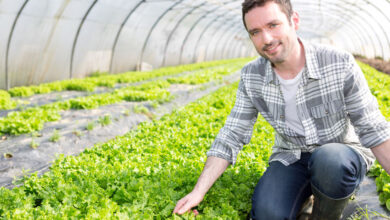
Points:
[238,128]
[370,125]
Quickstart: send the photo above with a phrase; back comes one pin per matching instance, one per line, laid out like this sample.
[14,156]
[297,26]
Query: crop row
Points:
[102,79]
[380,86]
[206,75]
[382,184]
[33,119]
[110,80]
[142,175]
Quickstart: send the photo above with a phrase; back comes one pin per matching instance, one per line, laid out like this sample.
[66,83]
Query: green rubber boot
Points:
[326,208]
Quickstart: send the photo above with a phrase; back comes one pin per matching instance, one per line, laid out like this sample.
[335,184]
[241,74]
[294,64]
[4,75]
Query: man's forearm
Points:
[382,154]
[212,170]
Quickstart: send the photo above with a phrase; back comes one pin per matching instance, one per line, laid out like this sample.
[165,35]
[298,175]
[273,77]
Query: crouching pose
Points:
[328,128]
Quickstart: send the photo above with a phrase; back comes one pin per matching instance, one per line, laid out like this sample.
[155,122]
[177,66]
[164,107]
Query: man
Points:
[327,123]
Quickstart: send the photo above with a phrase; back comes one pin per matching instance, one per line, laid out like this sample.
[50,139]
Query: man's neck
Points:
[293,65]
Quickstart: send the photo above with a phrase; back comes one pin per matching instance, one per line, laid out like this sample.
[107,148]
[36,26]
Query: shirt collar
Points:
[311,65]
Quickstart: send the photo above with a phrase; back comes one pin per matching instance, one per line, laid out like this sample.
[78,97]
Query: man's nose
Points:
[267,37]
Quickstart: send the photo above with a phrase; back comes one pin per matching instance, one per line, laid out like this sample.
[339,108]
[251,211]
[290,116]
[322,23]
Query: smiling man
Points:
[328,128]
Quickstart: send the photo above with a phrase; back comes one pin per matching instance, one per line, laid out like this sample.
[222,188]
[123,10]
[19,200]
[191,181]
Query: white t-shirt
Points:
[289,89]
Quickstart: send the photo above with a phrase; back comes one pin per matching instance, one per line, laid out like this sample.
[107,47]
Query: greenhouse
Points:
[125,109]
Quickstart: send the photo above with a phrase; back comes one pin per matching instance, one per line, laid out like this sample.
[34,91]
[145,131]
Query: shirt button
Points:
[326,112]
[281,116]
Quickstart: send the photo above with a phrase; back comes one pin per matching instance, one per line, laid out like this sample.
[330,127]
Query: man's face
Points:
[271,32]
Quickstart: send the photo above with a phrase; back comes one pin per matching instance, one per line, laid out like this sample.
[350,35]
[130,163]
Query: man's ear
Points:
[295,20]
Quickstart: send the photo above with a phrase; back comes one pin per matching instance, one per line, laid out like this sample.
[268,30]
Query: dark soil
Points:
[379,64]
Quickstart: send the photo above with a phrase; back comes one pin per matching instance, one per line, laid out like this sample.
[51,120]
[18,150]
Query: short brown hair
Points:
[285,7]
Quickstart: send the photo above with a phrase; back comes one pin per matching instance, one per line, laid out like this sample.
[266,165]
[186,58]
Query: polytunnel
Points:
[48,40]
[108,106]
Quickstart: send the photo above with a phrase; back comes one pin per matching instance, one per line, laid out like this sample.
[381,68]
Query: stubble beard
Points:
[281,56]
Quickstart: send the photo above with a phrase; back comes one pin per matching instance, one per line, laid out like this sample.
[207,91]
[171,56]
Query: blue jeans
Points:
[334,169]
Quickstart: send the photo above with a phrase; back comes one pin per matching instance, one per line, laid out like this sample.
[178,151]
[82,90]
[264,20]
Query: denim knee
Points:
[281,191]
[264,210]
[336,170]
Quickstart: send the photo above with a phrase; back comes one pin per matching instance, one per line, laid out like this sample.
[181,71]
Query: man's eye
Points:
[273,25]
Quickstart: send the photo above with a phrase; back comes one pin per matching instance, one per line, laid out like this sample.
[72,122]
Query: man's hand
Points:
[212,170]
[382,154]
[189,201]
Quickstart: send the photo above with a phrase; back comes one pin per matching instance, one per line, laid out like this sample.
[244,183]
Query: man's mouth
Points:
[271,49]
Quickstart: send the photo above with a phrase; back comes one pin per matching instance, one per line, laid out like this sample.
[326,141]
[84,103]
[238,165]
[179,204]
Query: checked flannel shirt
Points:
[334,105]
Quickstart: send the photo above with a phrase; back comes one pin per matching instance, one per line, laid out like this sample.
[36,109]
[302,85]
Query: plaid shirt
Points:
[334,105]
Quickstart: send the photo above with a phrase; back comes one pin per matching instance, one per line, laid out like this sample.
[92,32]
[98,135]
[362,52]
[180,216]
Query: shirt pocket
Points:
[327,109]
[330,120]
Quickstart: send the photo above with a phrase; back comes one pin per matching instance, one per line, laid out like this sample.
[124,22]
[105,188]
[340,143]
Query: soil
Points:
[379,64]
[18,158]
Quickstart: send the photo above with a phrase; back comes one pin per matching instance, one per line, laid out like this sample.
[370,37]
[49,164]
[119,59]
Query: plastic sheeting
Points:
[47,40]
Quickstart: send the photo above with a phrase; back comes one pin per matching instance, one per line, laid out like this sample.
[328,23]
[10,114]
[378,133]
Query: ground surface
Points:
[379,64]
[19,158]
[74,137]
